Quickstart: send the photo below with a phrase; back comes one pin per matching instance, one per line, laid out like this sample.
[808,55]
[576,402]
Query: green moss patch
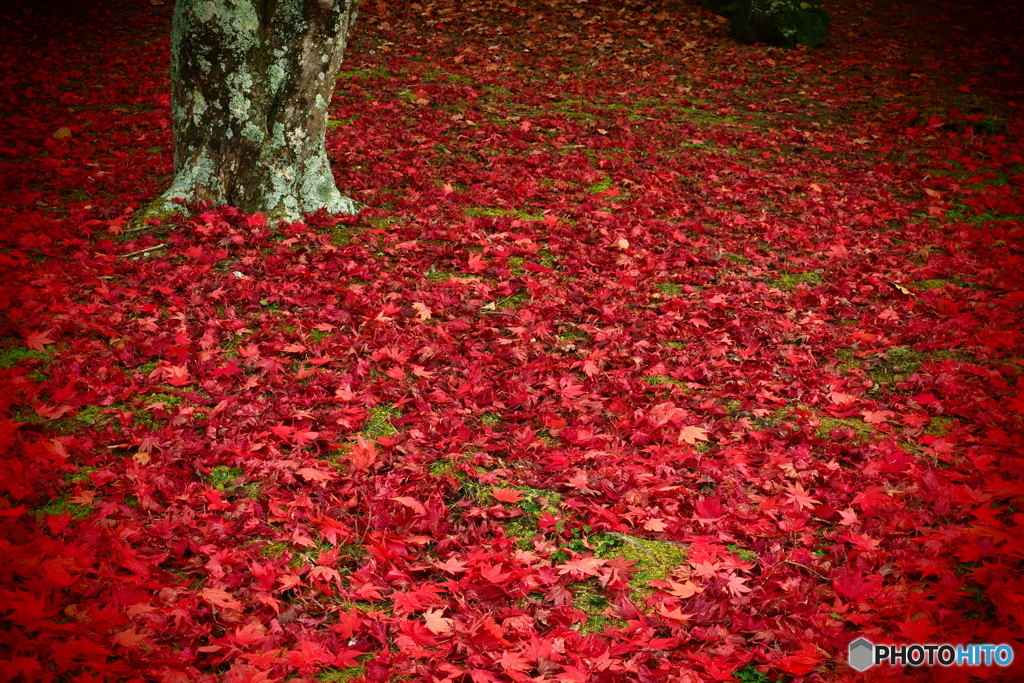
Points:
[12,354]
[750,674]
[738,259]
[653,561]
[787,282]
[379,423]
[495,212]
[167,399]
[224,478]
[61,506]
[894,365]
[658,380]
[939,426]
[600,186]
[589,597]
[333,674]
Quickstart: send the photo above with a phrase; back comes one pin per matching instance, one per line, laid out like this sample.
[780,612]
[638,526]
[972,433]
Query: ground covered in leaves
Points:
[652,357]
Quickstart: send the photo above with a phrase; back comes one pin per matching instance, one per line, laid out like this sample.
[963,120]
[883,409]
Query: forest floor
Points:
[653,357]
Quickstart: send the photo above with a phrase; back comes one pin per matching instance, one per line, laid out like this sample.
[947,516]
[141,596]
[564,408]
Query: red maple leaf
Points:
[221,598]
[581,567]
[436,622]
[692,434]
[686,589]
[801,662]
[736,584]
[507,495]
[515,664]
[177,375]
[37,341]
[1017,403]
[451,565]
[476,263]
[362,454]
[877,416]
[708,509]
[411,503]
[799,497]
[316,476]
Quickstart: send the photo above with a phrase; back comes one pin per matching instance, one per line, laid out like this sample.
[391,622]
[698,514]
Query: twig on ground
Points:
[804,566]
[142,251]
[141,228]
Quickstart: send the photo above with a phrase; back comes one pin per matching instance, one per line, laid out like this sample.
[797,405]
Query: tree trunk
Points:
[251,82]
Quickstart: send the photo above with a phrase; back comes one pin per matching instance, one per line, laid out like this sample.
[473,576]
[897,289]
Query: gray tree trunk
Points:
[251,82]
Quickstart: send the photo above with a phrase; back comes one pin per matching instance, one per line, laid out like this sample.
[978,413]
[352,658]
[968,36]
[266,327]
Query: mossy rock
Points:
[726,8]
[782,23]
[980,119]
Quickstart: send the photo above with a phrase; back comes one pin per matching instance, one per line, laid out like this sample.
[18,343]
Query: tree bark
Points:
[251,81]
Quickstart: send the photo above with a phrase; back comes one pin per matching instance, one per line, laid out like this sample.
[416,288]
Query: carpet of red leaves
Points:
[653,358]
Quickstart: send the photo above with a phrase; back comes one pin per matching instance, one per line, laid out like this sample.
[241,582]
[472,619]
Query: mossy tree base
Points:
[251,84]
[782,23]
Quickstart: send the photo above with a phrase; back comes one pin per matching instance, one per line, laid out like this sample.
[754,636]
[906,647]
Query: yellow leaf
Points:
[422,312]
[436,623]
[221,598]
[655,524]
[692,435]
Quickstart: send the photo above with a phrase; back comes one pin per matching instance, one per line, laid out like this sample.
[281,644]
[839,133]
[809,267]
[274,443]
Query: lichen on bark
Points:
[251,83]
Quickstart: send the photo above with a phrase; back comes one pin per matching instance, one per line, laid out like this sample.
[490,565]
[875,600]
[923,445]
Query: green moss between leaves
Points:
[379,423]
[317,336]
[442,467]
[144,369]
[939,426]
[589,597]
[14,354]
[61,506]
[333,674]
[787,282]
[157,210]
[739,259]
[514,301]
[658,380]
[156,397]
[847,361]
[827,425]
[365,73]
[895,365]
[749,674]
[535,502]
[495,212]
[744,554]
[571,335]
[341,234]
[441,275]
[273,549]
[653,561]
[82,475]
[223,477]
[90,415]
[600,186]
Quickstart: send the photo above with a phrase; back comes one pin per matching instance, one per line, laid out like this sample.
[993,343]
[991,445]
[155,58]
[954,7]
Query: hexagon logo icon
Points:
[862,654]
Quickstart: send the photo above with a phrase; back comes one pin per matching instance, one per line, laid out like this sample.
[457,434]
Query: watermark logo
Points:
[863,654]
